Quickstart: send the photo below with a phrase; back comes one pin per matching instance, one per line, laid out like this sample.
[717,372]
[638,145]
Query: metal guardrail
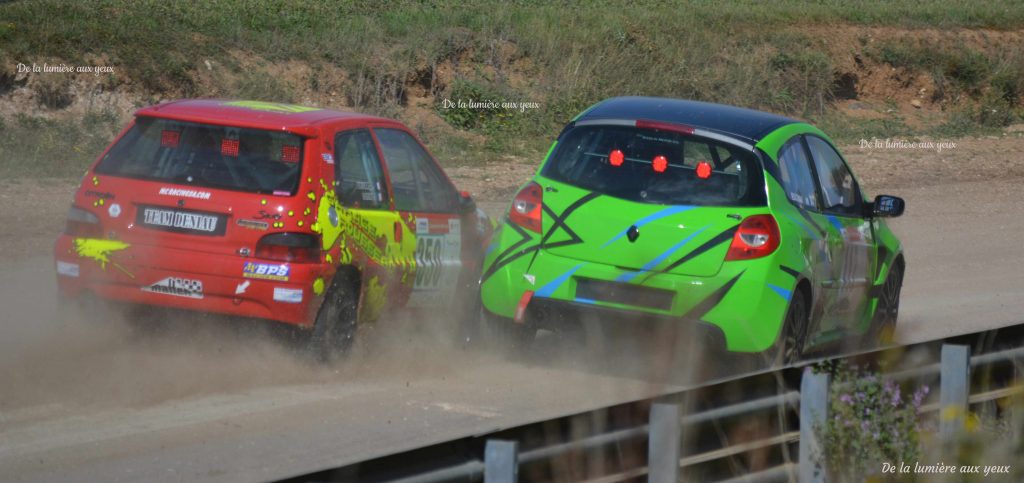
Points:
[497,458]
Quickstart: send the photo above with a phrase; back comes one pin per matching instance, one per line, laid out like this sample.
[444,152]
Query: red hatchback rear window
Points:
[194,154]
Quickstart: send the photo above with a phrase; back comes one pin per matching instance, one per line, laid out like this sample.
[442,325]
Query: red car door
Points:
[424,195]
[374,236]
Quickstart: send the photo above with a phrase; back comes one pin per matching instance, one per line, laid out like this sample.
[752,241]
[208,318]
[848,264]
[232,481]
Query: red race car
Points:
[312,217]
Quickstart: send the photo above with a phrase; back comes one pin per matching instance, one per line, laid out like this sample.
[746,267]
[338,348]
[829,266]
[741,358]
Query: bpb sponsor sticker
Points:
[265,271]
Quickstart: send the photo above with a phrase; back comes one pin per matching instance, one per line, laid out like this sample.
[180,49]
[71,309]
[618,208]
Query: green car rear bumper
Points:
[746,301]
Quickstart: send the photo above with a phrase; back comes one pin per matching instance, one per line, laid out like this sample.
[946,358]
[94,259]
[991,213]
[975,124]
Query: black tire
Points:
[790,346]
[506,334]
[468,316]
[334,330]
[883,324]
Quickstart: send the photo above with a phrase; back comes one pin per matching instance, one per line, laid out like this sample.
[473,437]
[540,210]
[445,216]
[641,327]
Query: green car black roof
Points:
[738,122]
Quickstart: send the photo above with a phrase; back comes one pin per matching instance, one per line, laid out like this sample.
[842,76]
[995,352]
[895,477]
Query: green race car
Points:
[746,227]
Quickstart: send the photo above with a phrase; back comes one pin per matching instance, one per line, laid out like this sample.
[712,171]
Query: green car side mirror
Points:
[886,206]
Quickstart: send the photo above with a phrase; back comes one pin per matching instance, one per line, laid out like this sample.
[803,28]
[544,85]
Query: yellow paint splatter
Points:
[318,286]
[300,223]
[99,250]
[312,196]
[329,258]
[291,213]
[95,181]
[263,201]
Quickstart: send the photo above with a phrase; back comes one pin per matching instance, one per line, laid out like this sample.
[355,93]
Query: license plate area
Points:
[624,293]
[181,221]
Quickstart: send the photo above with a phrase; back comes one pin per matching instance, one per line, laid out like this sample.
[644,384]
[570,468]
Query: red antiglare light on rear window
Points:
[703,170]
[615,158]
[660,164]
[229,147]
[290,154]
[169,139]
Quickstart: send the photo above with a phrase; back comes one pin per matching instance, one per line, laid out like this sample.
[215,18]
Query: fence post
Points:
[1016,414]
[955,382]
[501,461]
[663,443]
[813,414]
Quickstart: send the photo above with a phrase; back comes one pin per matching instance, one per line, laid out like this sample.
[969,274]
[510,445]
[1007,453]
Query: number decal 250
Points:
[428,261]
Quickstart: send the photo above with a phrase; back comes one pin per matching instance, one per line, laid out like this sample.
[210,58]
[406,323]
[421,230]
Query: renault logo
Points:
[633,233]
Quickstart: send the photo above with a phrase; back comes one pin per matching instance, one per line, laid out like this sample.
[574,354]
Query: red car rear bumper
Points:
[190,280]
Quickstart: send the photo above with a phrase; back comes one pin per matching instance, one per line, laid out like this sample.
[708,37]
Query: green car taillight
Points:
[756,237]
[526,207]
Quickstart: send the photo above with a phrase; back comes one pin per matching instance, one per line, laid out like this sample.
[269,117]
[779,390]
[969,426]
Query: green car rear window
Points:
[658,167]
[186,153]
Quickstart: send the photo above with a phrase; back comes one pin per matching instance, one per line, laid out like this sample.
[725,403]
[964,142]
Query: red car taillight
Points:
[756,237]
[289,247]
[526,207]
[82,224]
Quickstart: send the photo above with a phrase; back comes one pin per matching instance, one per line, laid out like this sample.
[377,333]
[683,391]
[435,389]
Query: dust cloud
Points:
[127,358]
[110,358]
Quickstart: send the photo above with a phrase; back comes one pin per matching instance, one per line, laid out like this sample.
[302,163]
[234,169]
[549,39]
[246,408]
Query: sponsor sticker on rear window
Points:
[265,271]
[185,193]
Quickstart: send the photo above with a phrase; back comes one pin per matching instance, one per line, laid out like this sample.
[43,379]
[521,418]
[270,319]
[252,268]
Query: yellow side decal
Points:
[373,301]
[346,228]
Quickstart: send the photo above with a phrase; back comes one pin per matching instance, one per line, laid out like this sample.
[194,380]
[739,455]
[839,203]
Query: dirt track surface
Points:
[208,401]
